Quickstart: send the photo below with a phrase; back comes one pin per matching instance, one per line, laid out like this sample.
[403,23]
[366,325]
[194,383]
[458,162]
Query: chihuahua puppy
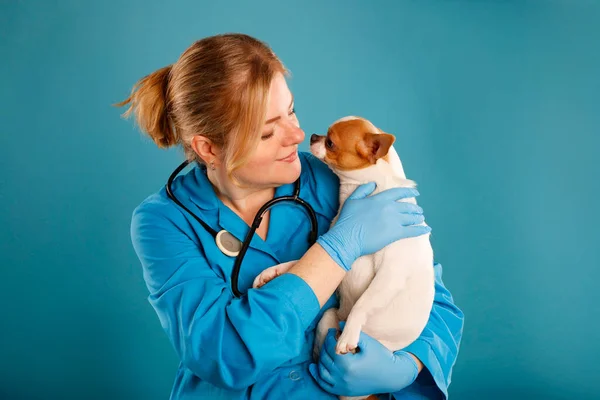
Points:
[388,294]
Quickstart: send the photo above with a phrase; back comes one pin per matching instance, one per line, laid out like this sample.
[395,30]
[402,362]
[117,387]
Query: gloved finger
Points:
[397,194]
[414,231]
[408,208]
[312,369]
[330,342]
[363,342]
[342,325]
[363,190]
[325,374]
[328,364]
[368,343]
[411,219]
[339,362]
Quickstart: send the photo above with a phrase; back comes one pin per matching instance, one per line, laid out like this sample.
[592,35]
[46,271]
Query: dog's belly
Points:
[355,283]
[402,320]
[401,323]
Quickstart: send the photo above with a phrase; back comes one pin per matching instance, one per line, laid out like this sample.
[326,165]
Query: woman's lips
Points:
[289,158]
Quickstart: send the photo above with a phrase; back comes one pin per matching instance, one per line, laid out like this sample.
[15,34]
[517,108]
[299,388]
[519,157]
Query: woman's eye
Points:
[267,135]
[328,143]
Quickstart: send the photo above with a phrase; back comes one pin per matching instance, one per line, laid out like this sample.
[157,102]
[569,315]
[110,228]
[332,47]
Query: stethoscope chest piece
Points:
[232,246]
[228,244]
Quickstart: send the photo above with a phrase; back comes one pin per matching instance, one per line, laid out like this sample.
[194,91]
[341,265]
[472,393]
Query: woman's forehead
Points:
[280,97]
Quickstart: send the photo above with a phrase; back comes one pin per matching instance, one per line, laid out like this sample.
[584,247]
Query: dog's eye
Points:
[328,143]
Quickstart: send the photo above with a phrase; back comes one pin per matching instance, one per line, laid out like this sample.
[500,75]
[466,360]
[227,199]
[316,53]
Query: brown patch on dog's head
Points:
[351,143]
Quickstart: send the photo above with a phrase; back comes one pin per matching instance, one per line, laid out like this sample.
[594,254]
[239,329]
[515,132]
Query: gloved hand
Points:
[368,224]
[373,369]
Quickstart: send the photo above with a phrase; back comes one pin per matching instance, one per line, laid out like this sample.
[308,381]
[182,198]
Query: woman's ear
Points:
[206,150]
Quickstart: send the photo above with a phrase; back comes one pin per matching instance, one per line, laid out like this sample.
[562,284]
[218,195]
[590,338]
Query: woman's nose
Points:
[294,135]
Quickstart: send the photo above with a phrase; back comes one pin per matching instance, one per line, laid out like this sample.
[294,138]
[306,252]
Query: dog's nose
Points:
[313,138]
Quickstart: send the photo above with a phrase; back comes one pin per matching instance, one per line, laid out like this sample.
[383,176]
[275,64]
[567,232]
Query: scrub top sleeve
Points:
[438,345]
[323,183]
[226,341]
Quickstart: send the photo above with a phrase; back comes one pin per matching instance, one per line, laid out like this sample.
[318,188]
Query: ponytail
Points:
[149,101]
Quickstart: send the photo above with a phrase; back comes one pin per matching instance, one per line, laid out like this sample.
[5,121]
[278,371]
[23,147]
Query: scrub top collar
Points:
[203,195]
[201,191]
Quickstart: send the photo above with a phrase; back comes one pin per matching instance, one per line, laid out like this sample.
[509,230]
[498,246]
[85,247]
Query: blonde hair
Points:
[218,88]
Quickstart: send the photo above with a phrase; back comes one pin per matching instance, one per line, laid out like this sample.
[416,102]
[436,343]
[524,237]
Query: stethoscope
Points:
[229,244]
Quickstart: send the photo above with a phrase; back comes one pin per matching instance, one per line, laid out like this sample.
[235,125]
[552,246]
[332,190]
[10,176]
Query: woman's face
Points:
[275,161]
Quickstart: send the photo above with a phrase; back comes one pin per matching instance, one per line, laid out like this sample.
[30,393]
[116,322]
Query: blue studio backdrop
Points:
[495,107]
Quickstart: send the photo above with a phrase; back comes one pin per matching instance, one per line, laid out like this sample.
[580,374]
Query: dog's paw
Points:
[347,342]
[266,276]
[271,273]
[344,348]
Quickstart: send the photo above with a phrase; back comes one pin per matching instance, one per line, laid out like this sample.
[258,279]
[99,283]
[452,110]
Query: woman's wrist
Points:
[337,249]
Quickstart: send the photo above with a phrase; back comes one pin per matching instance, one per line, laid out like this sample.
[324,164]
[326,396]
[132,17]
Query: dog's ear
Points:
[375,145]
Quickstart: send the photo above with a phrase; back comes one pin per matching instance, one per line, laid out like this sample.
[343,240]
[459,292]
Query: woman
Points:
[226,102]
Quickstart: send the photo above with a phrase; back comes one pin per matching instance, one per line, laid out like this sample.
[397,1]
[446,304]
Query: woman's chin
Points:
[290,173]
[282,174]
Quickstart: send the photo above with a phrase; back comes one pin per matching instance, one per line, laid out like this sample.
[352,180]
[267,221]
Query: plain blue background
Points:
[496,110]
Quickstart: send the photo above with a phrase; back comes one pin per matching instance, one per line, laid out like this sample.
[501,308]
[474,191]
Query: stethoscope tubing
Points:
[255,223]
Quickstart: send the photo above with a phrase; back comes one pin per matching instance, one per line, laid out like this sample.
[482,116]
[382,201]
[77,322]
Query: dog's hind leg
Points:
[381,291]
[328,320]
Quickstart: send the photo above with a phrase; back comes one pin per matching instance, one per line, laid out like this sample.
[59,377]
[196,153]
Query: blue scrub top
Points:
[258,346]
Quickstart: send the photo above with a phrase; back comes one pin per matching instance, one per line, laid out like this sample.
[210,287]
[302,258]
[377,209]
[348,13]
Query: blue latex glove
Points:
[368,224]
[373,369]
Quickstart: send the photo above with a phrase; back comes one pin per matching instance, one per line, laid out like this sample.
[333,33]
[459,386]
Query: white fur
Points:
[388,294]
[318,152]
[348,118]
